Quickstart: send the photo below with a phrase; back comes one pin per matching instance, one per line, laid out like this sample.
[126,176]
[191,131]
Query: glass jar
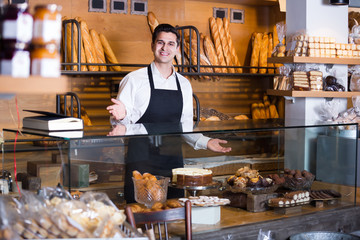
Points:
[45,60]
[17,24]
[47,24]
[15,60]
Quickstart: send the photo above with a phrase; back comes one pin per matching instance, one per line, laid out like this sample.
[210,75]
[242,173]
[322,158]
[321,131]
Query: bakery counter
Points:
[240,224]
[102,159]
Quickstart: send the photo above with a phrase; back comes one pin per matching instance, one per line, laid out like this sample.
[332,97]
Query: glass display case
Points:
[104,157]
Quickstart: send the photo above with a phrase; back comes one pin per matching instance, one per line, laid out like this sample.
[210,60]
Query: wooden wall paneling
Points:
[8,116]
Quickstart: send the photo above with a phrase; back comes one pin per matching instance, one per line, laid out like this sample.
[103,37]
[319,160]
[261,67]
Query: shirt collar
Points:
[155,71]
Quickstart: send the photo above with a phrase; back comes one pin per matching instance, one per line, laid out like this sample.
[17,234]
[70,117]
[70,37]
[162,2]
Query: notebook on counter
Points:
[49,121]
[60,134]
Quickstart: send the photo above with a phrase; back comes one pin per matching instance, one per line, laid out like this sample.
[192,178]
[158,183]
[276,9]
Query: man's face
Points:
[165,47]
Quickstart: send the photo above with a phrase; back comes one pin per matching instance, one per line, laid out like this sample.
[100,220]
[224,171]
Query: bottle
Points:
[15,60]
[47,24]
[45,60]
[17,25]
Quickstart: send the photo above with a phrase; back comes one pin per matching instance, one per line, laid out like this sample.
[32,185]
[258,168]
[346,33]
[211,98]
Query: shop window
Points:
[220,12]
[236,16]
[139,7]
[118,6]
[97,5]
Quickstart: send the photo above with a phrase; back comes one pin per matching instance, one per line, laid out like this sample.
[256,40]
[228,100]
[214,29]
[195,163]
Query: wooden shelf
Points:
[245,2]
[33,84]
[313,94]
[321,60]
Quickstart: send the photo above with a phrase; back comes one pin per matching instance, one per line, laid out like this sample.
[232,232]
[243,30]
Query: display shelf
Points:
[33,84]
[321,60]
[313,94]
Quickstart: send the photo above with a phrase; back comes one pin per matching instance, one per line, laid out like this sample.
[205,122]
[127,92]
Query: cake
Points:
[191,176]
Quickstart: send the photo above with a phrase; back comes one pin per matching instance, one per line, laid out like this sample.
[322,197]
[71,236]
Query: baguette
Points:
[254,62]
[217,42]
[152,21]
[89,48]
[110,56]
[233,54]
[82,51]
[210,52]
[194,56]
[270,50]
[224,44]
[70,58]
[98,49]
[263,53]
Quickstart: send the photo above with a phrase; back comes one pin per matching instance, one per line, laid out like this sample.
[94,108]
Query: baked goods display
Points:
[191,176]
[53,214]
[324,194]
[290,199]
[205,201]
[95,48]
[294,179]
[158,206]
[250,181]
[264,110]
[150,189]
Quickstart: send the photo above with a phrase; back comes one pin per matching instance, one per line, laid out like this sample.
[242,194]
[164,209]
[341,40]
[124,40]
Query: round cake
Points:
[191,176]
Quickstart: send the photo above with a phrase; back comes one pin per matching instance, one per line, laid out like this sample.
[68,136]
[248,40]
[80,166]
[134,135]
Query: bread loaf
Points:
[82,51]
[152,21]
[263,53]
[224,44]
[217,42]
[273,111]
[98,49]
[110,56]
[88,46]
[233,54]
[194,58]
[255,111]
[254,62]
[70,58]
[210,52]
[270,50]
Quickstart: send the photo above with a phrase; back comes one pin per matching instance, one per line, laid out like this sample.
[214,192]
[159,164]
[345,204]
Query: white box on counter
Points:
[205,215]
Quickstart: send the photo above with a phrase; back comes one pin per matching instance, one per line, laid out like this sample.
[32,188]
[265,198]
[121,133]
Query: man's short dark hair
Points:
[165,28]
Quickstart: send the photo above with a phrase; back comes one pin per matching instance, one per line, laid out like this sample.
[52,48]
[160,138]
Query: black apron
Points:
[160,154]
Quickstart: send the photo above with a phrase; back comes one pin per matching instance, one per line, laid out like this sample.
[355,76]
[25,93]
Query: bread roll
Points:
[263,53]
[110,56]
[217,42]
[88,46]
[233,54]
[270,50]
[224,44]
[152,21]
[98,49]
[254,62]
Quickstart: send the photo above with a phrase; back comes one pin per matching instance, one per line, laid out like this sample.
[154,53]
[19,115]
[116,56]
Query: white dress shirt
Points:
[134,92]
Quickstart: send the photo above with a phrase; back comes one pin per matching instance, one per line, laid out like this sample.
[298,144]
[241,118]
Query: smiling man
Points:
[157,94]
